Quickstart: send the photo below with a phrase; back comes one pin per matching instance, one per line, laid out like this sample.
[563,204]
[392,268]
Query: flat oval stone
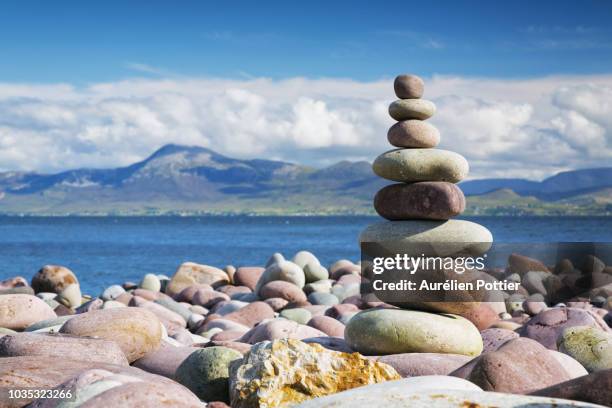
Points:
[413,133]
[411,165]
[64,346]
[432,238]
[395,331]
[408,86]
[405,109]
[136,330]
[18,311]
[436,200]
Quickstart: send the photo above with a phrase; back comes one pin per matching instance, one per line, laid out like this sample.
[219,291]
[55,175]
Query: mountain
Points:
[559,186]
[194,180]
[191,179]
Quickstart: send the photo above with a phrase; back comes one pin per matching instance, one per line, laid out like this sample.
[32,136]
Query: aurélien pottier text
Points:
[411,265]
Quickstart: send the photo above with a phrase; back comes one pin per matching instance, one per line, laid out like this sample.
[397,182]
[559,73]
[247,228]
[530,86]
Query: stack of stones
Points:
[427,175]
[426,197]
[419,211]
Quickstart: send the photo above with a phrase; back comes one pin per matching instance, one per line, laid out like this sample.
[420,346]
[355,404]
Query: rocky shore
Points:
[297,333]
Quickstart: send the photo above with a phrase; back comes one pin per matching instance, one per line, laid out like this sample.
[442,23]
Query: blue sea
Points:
[107,250]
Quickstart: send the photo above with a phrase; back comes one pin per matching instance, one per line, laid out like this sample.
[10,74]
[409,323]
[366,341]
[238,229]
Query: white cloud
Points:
[506,128]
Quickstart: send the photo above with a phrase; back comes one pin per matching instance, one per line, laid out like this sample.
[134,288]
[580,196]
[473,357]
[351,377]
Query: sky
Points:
[523,89]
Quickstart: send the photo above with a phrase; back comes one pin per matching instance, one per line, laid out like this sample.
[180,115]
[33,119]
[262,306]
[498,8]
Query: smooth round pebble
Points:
[413,134]
[150,282]
[206,372]
[405,109]
[407,86]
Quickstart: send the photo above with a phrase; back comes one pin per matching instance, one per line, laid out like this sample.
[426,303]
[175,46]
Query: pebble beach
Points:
[297,333]
[294,332]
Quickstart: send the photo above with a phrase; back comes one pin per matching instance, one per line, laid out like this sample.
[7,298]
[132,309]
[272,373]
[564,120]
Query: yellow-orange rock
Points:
[286,372]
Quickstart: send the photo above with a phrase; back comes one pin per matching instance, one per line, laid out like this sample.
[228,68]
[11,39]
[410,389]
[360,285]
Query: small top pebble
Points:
[408,86]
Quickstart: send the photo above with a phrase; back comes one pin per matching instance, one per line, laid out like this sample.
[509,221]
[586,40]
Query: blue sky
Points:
[523,88]
[82,42]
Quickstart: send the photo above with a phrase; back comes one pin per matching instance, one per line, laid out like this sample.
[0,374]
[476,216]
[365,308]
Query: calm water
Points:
[102,251]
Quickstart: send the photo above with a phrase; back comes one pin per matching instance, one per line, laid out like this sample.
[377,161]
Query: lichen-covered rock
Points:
[591,347]
[286,372]
[190,273]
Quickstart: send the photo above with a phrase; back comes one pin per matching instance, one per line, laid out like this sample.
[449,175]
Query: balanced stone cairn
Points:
[420,205]
[419,209]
